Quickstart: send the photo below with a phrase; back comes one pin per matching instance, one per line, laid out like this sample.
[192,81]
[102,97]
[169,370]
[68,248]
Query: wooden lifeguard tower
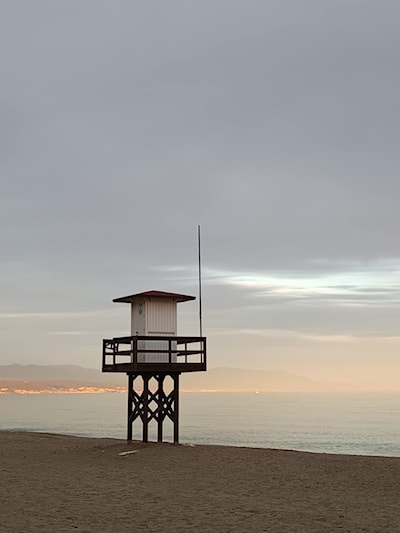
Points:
[152,353]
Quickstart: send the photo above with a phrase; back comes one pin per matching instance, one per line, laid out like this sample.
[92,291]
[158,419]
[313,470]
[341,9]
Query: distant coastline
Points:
[32,387]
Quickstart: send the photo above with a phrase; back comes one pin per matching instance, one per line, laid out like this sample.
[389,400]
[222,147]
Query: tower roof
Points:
[155,294]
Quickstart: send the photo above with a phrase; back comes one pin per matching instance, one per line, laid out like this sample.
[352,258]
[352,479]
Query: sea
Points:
[344,423]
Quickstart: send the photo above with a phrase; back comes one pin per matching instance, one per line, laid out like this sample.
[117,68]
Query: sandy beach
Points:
[54,483]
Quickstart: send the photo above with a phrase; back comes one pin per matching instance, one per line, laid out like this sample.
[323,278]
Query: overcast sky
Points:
[273,124]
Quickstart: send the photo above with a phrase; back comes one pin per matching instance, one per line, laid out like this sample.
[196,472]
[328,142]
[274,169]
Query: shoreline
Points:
[190,444]
[93,484]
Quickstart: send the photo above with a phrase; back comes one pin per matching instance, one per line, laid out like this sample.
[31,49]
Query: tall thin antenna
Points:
[200,301]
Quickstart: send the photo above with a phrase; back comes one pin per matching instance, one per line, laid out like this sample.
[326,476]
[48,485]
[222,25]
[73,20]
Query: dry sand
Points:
[56,483]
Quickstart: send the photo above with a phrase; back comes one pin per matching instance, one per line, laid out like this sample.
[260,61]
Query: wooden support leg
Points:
[161,400]
[147,405]
[130,392]
[176,408]
[145,411]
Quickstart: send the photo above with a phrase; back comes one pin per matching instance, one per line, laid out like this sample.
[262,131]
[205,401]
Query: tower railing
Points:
[151,352]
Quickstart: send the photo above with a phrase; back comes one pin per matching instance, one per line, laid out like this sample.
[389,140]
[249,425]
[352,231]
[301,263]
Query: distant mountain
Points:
[59,372]
[246,380]
[69,377]
[30,379]
[223,379]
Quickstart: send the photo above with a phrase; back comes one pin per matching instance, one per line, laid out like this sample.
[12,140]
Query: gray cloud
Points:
[273,124]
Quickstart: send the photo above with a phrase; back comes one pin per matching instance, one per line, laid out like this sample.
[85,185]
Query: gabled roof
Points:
[155,294]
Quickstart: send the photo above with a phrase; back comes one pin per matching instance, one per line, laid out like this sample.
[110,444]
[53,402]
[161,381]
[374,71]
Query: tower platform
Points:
[154,353]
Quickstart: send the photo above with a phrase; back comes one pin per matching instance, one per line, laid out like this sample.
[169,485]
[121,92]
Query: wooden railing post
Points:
[134,351]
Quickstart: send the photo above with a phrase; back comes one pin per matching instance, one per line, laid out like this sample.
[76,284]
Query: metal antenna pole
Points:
[200,301]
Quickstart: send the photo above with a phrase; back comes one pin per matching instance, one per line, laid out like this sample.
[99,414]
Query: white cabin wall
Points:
[161,317]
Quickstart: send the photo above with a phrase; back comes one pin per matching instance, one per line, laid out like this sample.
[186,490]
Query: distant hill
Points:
[59,372]
[244,380]
[247,380]
[30,379]
[68,377]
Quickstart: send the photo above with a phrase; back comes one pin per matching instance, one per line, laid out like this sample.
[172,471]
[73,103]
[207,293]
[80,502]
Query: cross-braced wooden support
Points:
[152,402]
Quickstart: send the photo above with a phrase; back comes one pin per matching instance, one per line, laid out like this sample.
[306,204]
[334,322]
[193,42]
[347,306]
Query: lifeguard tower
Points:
[152,354]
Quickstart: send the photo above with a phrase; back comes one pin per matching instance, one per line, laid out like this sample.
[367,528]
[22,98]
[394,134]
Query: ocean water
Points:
[357,423]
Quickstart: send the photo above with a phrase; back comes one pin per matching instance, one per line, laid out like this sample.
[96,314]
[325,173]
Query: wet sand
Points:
[54,483]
